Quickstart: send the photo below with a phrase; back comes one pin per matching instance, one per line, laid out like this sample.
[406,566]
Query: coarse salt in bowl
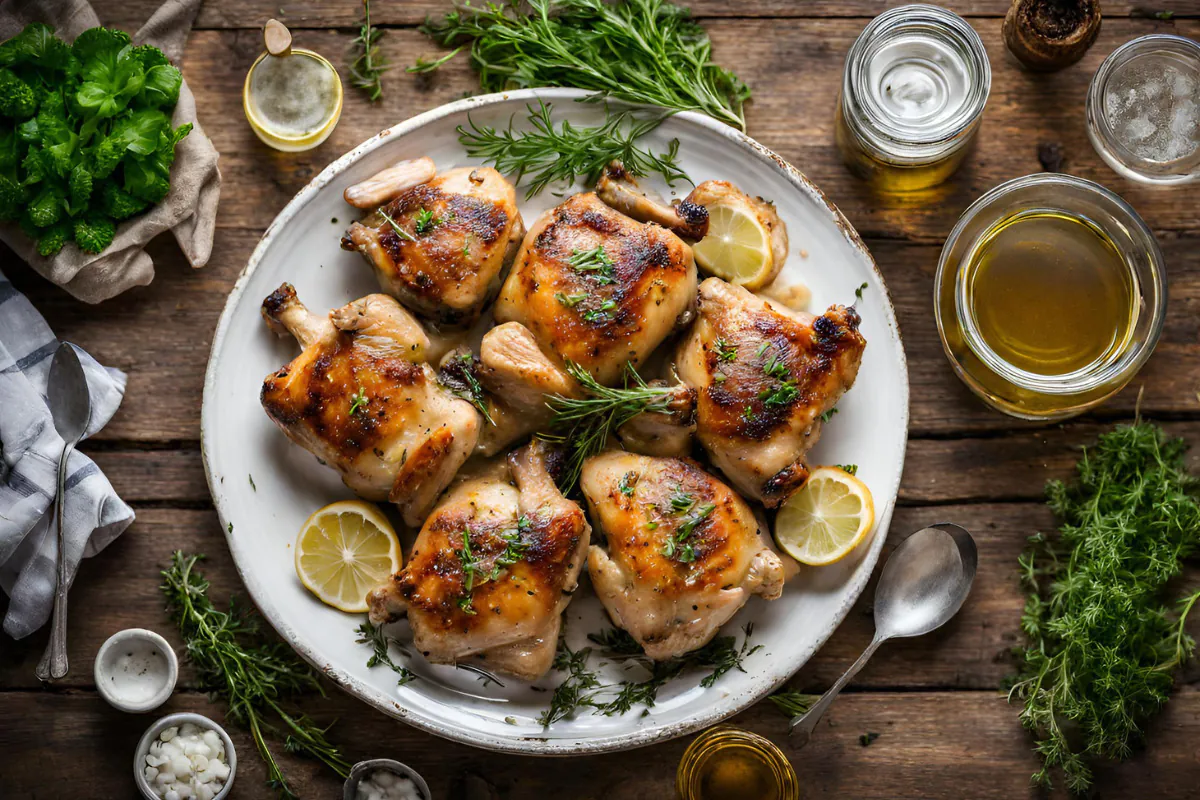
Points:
[385,779]
[136,670]
[185,757]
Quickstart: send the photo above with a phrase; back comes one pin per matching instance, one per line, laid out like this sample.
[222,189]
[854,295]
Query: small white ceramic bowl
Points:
[200,721]
[364,768]
[136,670]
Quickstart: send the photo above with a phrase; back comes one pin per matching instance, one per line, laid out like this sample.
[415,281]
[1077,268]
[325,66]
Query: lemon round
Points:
[826,518]
[345,550]
[737,247]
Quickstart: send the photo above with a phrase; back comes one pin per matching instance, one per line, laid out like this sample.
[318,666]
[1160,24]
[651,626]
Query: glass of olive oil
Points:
[1050,295]
[728,763]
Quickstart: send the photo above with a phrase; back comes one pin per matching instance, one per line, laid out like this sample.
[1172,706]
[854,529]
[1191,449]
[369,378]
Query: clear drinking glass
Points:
[1143,110]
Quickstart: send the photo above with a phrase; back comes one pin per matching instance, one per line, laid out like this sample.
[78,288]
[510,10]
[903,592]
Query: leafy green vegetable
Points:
[642,51]
[1102,646]
[253,676]
[85,134]
[547,154]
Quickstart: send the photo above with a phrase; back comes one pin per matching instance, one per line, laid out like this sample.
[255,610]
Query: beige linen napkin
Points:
[190,208]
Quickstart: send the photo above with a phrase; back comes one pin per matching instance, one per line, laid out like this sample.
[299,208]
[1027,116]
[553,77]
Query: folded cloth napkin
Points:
[93,515]
[190,208]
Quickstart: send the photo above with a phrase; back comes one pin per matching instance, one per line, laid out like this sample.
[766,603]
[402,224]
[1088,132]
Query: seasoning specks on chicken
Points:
[492,570]
[359,398]
[441,247]
[684,551]
[764,376]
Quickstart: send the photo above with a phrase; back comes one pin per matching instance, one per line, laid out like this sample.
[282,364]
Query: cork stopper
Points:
[277,38]
[1047,35]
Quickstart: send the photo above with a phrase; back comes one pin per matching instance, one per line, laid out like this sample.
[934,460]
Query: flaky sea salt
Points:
[186,763]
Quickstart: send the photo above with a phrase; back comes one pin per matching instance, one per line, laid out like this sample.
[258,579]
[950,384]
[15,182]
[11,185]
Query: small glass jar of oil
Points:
[292,101]
[727,763]
[915,84]
[1050,294]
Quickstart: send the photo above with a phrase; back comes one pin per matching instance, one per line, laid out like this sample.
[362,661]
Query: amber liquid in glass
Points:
[736,772]
[1049,293]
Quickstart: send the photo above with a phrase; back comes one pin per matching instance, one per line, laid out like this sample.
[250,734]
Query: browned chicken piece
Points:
[360,399]
[684,551]
[663,433]
[492,570]
[764,376]
[597,288]
[620,190]
[453,239]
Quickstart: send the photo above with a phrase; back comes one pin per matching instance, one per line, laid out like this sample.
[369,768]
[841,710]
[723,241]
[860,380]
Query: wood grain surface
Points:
[945,728]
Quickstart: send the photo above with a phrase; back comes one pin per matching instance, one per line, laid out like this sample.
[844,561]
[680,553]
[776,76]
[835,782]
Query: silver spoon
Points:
[922,585]
[70,406]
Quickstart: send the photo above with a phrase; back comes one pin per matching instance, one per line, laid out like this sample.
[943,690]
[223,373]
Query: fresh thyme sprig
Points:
[403,234]
[369,63]
[380,641]
[793,703]
[475,575]
[253,676]
[643,51]
[584,424]
[547,154]
[458,376]
[1102,647]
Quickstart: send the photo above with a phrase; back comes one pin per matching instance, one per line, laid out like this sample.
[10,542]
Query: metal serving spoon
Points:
[922,585]
[70,406]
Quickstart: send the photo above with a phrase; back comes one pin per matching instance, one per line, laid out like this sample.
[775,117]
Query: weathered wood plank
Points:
[795,68]
[119,589]
[936,746]
[331,14]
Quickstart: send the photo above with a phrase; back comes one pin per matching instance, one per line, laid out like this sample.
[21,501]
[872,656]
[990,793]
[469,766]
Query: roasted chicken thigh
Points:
[492,570]
[442,246]
[684,552]
[360,398]
[598,288]
[764,376]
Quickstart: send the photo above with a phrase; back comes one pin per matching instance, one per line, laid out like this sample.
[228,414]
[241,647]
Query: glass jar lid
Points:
[917,78]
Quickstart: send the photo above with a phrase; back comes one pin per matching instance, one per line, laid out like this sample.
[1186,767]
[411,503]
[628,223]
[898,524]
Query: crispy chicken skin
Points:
[510,616]
[755,428]
[359,398]
[596,314]
[461,231]
[672,604]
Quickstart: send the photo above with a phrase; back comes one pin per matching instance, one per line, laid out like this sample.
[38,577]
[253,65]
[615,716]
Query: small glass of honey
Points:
[1049,296]
[728,763]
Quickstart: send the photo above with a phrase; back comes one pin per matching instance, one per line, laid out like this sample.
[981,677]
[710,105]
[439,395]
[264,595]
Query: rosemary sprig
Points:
[793,703]
[548,154]
[380,641]
[1102,646]
[369,63]
[423,66]
[642,51]
[584,424]
[403,234]
[474,573]
[251,675]
[458,376]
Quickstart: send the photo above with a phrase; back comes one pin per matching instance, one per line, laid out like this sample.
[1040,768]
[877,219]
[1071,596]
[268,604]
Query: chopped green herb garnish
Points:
[570,300]
[458,375]
[594,261]
[360,401]
[867,738]
[762,348]
[849,469]
[678,545]
[726,352]
[475,575]
[252,486]
[403,234]
[681,502]
[380,641]
[628,481]
[858,293]
[828,415]
[425,221]
[780,395]
[601,313]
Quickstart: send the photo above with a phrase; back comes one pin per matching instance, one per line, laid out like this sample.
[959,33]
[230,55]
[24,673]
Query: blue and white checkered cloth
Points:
[94,516]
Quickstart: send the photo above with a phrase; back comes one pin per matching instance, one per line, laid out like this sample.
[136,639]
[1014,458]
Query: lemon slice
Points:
[345,550]
[737,247]
[826,518]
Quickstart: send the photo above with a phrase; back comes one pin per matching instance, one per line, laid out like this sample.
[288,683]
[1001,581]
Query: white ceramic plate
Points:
[301,246]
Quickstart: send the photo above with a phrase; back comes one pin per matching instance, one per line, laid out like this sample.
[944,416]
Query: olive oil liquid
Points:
[1049,293]
[736,772]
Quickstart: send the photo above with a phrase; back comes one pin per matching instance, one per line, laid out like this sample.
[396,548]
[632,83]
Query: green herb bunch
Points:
[85,134]
[1102,645]
[547,154]
[253,676]
[643,51]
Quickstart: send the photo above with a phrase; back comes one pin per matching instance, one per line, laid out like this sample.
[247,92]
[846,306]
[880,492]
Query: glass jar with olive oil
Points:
[727,763]
[915,84]
[1050,294]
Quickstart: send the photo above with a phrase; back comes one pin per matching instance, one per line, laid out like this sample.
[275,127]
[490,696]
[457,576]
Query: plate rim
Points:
[532,745]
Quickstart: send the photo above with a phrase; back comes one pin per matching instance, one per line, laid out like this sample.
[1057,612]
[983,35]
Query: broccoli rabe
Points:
[85,134]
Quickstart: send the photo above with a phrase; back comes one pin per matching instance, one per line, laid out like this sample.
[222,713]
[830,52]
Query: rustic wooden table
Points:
[945,729]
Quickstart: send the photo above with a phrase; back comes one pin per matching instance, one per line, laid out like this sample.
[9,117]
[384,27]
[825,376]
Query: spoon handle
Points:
[806,723]
[54,662]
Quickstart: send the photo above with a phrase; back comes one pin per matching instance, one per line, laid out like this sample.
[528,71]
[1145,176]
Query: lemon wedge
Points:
[345,550]
[826,518]
[737,247]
